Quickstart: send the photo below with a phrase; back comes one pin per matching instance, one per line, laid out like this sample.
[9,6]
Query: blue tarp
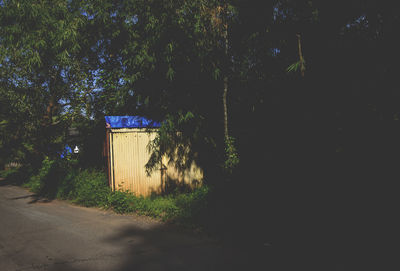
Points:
[130,122]
[67,150]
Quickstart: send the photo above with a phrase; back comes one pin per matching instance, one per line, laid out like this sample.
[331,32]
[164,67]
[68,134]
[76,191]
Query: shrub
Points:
[48,177]
[87,187]
[192,205]
[121,202]
[67,185]
[161,207]
[180,208]
[17,175]
[7,173]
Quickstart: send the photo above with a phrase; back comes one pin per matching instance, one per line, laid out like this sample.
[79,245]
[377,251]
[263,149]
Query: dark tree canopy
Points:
[271,63]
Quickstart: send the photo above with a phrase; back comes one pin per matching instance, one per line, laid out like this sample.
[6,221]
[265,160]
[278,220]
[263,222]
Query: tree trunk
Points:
[301,59]
[225,107]
[225,92]
[52,100]
[50,109]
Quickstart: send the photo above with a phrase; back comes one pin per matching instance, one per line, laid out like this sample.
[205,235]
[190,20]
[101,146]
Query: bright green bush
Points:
[34,184]
[121,202]
[161,207]
[89,188]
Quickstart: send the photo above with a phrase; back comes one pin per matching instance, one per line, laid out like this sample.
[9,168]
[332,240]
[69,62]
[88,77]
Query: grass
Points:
[61,179]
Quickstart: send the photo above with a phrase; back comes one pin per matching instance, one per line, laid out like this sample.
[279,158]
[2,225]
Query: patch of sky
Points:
[123,66]
[96,77]
[29,83]
[66,107]
[278,12]
[361,20]
[113,16]
[6,60]
[87,15]
[131,20]
[99,44]
[64,75]
[20,81]
[275,51]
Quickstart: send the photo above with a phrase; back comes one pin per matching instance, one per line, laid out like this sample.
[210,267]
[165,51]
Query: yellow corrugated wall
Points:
[192,177]
[128,157]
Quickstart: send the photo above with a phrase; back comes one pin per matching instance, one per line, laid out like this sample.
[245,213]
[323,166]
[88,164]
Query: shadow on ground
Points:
[4,182]
[34,198]
[165,248]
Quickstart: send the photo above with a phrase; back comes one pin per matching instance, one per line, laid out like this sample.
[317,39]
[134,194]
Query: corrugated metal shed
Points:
[127,152]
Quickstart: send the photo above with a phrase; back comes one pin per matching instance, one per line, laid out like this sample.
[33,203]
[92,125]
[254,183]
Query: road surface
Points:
[55,235]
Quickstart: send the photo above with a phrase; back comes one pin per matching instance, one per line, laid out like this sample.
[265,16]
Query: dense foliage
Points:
[197,65]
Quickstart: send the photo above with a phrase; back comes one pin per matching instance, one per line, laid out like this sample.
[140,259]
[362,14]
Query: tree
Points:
[44,68]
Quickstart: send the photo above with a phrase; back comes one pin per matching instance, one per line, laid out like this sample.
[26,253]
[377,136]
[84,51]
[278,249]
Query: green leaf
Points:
[293,67]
